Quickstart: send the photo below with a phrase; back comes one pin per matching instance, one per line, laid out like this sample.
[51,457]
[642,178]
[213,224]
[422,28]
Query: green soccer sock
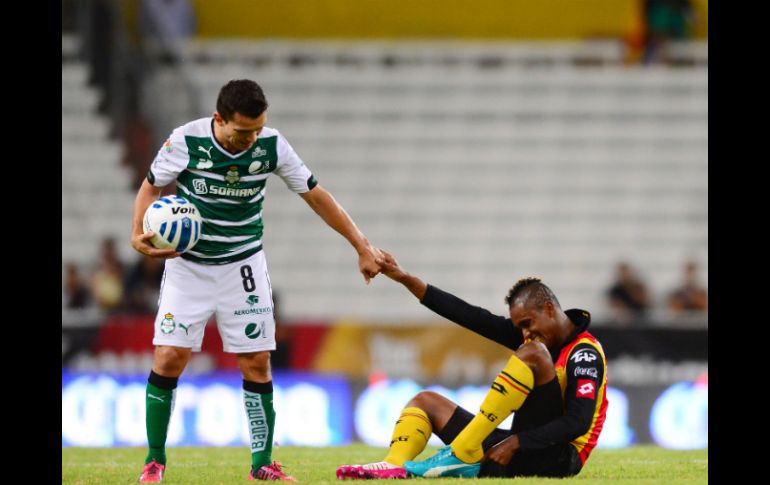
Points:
[159,400]
[260,415]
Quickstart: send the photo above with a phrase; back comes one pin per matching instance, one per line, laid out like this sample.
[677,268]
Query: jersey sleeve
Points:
[585,371]
[171,159]
[483,322]
[292,169]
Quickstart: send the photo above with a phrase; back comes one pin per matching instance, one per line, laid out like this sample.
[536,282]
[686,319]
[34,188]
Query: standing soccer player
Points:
[221,163]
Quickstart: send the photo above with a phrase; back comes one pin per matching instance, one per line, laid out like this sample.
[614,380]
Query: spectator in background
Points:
[628,296]
[141,285]
[100,49]
[107,280]
[665,21]
[165,25]
[691,296]
[76,293]
[79,328]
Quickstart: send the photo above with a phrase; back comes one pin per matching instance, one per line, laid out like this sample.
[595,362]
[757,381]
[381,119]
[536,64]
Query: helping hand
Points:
[367,263]
[389,266]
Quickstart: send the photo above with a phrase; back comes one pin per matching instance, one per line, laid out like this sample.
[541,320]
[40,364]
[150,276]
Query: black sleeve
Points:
[494,327]
[311,182]
[585,372]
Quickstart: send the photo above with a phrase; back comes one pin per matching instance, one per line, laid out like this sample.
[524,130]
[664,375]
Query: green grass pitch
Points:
[213,466]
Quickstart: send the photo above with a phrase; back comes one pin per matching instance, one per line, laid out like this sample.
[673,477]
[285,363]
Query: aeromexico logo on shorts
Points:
[168,325]
[255,330]
[258,310]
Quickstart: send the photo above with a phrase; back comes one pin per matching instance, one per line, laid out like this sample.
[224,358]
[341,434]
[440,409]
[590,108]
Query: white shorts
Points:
[239,293]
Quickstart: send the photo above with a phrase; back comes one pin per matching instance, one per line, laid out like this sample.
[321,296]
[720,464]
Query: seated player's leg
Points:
[459,420]
[508,393]
[424,413]
[183,309]
[544,404]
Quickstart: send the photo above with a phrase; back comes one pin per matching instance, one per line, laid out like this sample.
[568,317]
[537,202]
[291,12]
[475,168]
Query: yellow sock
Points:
[410,436]
[509,390]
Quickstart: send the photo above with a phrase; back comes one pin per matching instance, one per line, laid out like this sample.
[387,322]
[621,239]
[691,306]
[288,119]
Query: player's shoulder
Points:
[269,132]
[587,350]
[200,128]
[197,128]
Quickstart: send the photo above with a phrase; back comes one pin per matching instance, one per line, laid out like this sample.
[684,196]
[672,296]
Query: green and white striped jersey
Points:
[228,189]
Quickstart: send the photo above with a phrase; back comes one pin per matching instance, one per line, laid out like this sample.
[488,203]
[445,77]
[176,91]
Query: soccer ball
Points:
[175,221]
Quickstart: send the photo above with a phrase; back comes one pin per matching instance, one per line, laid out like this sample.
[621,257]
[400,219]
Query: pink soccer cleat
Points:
[152,472]
[369,471]
[273,471]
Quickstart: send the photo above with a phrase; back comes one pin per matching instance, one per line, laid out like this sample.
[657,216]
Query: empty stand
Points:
[475,164]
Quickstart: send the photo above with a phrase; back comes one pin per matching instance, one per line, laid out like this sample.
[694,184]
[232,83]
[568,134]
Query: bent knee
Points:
[255,366]
[170,361]
[438,408]
[424,400]
[536,356]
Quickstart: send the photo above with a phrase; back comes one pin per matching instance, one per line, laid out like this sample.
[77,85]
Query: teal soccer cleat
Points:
[443,464]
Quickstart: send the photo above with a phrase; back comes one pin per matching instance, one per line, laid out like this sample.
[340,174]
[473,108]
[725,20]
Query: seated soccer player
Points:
[555,383]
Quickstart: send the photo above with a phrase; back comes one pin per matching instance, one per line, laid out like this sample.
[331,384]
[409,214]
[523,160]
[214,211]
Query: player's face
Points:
[239,133]
[539,325]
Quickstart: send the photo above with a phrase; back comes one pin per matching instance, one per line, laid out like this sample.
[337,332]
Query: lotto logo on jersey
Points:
[586,389]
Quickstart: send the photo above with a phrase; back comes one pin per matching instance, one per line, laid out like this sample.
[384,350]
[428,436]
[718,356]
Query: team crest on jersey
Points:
[168,325]
[168,146]
[258,152]
[232,176]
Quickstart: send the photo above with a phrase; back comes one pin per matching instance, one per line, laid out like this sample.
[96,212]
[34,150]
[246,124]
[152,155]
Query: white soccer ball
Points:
[175,221]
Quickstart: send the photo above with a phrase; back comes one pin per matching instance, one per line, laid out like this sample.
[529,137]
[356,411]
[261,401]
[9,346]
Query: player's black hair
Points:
[241,96]
[534,292]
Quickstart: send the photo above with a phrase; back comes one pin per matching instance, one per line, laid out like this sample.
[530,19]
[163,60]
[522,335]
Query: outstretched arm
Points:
[494,327]
[324,204]
[394,271]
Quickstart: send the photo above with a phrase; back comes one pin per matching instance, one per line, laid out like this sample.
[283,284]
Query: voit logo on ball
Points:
[255,330]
